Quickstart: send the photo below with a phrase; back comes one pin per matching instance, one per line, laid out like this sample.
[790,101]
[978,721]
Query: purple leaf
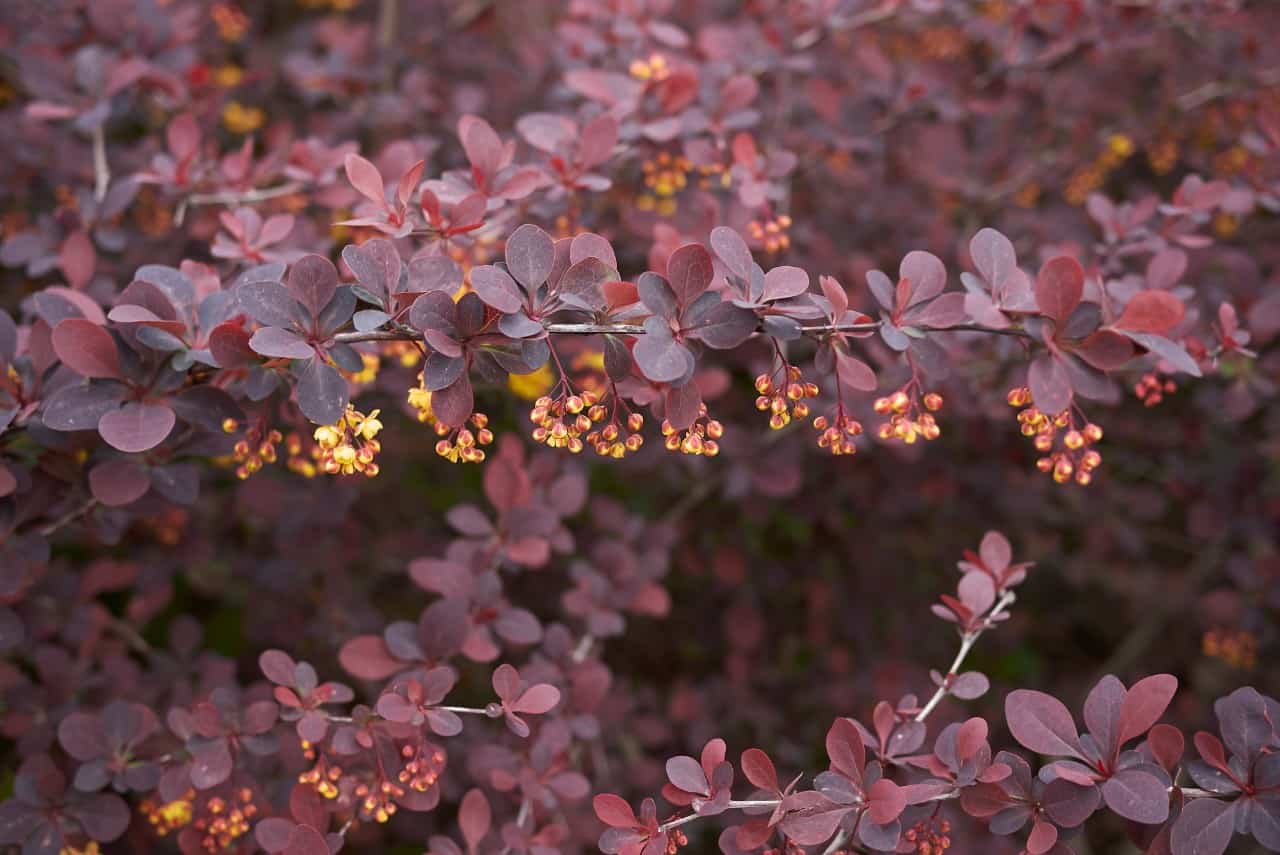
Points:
[211,766]
[137,427]
[1204,827]
[322,392]
[686,774]
[312,281]
[659,355]
[732,250]
[1059,286]
[496,288]
[1137,795]
[785,281]
[1050,385]
[993,255]
[280,343]
[530,256]
[1041,723]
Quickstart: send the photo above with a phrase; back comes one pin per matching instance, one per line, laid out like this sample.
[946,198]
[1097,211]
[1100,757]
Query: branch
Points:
[407,334]
[68,518]
[101,169]
[966,644]
[233,197]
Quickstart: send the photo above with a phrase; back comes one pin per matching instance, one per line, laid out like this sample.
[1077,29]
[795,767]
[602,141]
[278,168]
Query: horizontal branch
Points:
[406,334]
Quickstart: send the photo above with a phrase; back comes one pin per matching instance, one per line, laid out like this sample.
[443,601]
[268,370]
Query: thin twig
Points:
[966,644]
[101,169]
[234,197]
[68,518]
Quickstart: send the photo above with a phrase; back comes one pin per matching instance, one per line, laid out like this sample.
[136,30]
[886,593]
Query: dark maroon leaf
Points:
[118,482]
[321,392]
[689,272]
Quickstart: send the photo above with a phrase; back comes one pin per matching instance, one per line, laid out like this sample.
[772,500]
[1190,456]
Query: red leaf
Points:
[689,270]
[537,700]
[887,801]
[1059,286]
[474,818]
[1144,704]
[614,811]
[1151,312]
[76,259]
[366,178]
[367,657]
[86,348]
[759,770]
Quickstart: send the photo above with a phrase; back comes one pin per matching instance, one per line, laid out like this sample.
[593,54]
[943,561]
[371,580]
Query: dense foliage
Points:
[802,299]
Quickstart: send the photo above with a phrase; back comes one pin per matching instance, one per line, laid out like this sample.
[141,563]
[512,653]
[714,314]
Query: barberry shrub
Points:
[268,268]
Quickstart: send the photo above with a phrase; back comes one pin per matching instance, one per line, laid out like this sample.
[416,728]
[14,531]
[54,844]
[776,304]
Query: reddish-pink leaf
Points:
[758,769]
[367,657]
[366,178]
[1059,286]
[77,258]
[689,271]
[1144,704]
[1151,312]
[537,699]
[614,811]
[845,749]
[887,801]
[474,818]
[86,348]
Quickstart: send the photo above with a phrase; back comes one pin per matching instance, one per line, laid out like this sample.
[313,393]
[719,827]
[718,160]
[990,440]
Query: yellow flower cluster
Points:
[783,403]
[253,450]
[232,22]
[239,119]
[226,820]
[349,445]
[1075,457]
[836,435]
[563,420]
[910,418]
[464,445]
[654,68]
[323,777]
[1118,149]
[377,803]
[168,817]
[1238,648]
[609,441]
[771,232]
[702,437]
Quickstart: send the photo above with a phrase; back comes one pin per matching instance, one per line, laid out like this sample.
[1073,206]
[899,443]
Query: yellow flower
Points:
[240,119]
[531,386]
